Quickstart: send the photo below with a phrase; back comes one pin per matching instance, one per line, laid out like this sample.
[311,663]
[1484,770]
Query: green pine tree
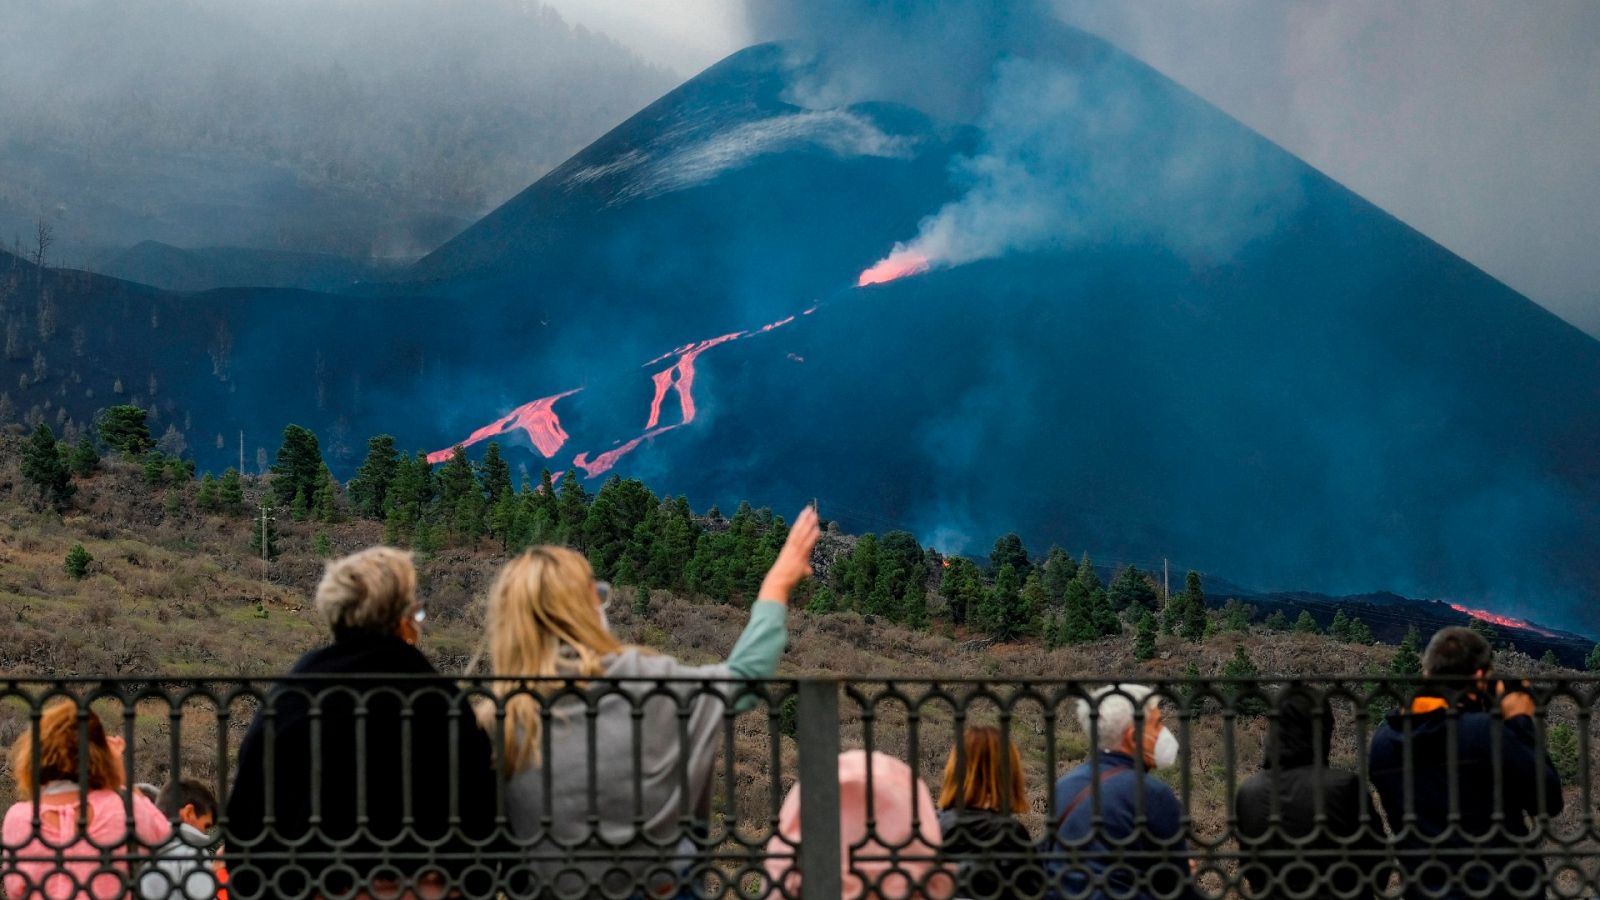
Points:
[961,589]
[1339,628]
[1034,603]
[1561,742]
[495,474]
[1133,589]
[996,610]
[43,467]
[823,601]
[1550,659]
[1243,699]
[325,503]
[1236,616]
[369,490]
[1009,551]
[322,545]
[1406,660]
[124,429]
[572,509]
[1058,571]
[84,460]
[207,497]
[1194,608]
[1593,662]
[77,562]
[1360,633]
[1305,624]
[297,468]
[230,492]
[1144,642]
[1277,621]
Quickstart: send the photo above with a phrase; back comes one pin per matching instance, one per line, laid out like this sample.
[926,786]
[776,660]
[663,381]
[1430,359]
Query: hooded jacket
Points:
[1480,852]
[361,749]
[1296,784]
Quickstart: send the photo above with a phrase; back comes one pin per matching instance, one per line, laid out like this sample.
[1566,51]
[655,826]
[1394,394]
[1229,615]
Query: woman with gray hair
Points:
[1119,829]
[364,772]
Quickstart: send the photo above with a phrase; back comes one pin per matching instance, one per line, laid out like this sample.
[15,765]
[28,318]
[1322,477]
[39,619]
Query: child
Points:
[182,867]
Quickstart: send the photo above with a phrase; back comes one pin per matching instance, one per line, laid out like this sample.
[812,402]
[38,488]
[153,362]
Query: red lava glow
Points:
[898,264]
[1503,621]
[537,418]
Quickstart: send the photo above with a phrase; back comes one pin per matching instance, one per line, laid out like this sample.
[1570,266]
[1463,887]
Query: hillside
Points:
[172,589]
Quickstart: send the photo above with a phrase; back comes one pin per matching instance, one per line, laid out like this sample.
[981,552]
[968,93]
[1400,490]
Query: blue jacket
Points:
[1115,853]
[1473,854]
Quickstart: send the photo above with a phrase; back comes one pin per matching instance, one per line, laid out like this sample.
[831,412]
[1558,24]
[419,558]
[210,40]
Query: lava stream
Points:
[898,264]
[1503,621]
[603,463]
[537,418]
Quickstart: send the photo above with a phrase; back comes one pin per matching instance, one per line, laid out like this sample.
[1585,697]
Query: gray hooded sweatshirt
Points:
[652,748]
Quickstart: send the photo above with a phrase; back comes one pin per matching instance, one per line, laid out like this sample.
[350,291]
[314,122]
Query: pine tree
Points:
[300,509]
[1277,621]
[1243,699]
[77,562]
[1106,620]
[1305,624]
[863,571]
[1406,661]
[1008,551]
[1593,662]
[1550,659]
[1194,608]
[961,589]
[325,503]
[1360,633]
[322,545]
[495,474]
[672,547]
[206,498]
[572,508]
[42,465]
[1057,573]
[997,609]
[124,429]
[1079,623]
[84,460]
[914,603]
[823,601]
[369,490]
[230,492]
[1144,642]
[1132,589]
[297,467]
[1034,603]
[1339,628]
[1236,616]
[1566,753]
[155,467]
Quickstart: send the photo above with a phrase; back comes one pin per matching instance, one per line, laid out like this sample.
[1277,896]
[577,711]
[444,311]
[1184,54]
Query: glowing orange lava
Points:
[898,264]
[537,418]
[1503,621]
[603,463]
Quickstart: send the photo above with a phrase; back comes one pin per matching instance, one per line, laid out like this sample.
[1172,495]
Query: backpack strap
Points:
[1105,776]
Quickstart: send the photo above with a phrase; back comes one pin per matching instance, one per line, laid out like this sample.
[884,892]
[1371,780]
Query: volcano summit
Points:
[1100,313]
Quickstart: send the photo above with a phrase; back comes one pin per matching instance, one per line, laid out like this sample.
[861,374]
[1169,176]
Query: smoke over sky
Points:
[1472,121]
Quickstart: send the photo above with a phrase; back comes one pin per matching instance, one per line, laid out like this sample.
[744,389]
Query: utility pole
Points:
[266,544]
[241,453]
[1165,583]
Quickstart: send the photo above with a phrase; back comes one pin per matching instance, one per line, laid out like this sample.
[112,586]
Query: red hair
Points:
[982,788]
[58,751]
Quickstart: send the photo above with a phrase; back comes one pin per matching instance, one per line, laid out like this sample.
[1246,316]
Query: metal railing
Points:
[397,786]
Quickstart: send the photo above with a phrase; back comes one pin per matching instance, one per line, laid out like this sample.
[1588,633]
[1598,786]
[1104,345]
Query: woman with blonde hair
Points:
[982,793]
[606,780]
[83,809]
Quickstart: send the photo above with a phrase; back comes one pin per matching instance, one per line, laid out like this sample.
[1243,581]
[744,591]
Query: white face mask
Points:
[1166,749]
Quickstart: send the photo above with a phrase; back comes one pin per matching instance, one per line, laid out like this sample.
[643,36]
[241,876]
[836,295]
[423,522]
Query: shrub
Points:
[77,563]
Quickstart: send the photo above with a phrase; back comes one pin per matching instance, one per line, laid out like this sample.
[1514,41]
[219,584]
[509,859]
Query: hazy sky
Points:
[1475,121]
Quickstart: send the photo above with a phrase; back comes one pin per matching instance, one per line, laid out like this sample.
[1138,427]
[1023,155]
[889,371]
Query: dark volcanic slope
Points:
[1335,402]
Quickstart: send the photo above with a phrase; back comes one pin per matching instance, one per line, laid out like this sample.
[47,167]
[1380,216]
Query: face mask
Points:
[1166,749]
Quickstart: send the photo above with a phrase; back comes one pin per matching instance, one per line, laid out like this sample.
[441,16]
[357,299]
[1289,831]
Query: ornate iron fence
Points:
[412,786]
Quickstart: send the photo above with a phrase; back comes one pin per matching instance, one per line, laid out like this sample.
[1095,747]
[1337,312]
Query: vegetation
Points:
[77,562]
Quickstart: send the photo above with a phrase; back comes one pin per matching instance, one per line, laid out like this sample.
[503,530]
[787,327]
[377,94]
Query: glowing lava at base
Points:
[898,264]
[537,418]
[1502,621]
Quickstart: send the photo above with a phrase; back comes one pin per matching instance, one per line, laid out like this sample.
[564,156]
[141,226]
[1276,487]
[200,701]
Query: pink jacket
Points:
[75,875]
[912,873]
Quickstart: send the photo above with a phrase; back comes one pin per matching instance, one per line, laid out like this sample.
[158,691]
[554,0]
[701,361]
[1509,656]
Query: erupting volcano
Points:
[1502,621]
[537,419]
[898,264]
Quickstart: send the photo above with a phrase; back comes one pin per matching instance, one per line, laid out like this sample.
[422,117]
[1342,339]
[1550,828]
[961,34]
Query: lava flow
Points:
[537,418]
[898,264]
[1503,621]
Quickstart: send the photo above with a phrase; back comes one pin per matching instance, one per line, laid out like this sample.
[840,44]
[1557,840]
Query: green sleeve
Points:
[757,651]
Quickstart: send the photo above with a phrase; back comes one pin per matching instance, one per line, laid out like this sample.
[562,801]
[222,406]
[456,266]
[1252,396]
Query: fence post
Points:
[818,741]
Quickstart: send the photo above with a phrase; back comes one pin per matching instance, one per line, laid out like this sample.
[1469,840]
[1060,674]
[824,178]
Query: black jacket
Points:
[1478,853]
[993,854]
[358,749]
[1337,860]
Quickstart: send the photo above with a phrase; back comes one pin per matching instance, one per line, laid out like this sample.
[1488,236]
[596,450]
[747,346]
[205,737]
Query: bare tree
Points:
[43,236]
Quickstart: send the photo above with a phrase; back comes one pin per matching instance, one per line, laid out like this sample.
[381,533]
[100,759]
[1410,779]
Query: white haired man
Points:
[1119,831]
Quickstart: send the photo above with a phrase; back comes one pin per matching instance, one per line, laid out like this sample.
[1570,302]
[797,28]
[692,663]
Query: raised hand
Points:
[794,560]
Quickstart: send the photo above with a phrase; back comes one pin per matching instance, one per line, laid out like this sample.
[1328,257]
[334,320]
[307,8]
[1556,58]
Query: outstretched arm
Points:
[757,651]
